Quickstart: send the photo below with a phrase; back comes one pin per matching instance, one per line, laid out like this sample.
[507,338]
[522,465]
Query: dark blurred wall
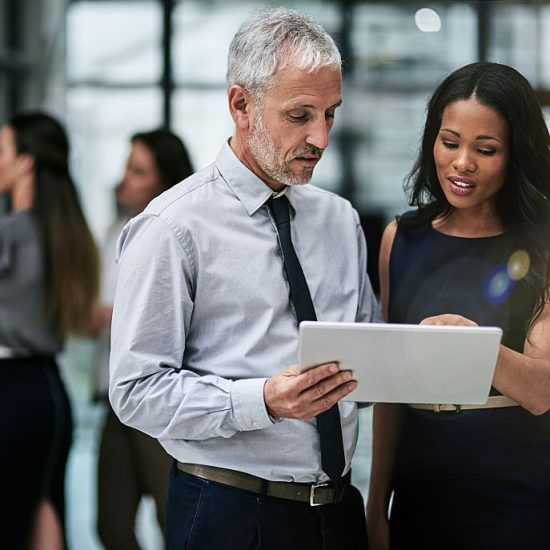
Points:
[32,55]
[373,226]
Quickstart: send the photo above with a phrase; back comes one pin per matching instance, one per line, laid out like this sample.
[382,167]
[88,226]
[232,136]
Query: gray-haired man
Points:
[203,327]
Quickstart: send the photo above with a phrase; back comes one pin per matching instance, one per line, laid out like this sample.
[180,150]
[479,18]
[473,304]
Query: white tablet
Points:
[395,363]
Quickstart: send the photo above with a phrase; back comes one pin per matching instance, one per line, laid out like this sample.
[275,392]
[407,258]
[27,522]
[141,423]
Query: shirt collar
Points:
[248,188]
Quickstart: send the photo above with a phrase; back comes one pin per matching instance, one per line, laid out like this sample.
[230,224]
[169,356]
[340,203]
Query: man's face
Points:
[289,130]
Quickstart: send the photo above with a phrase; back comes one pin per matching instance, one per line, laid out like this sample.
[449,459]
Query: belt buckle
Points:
[312,490]
[437,408]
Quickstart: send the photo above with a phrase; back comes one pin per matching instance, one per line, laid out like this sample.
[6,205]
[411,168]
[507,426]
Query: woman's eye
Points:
[450,145]
[487,152]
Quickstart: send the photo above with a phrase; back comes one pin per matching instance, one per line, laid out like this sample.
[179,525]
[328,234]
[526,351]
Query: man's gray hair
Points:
[271,39]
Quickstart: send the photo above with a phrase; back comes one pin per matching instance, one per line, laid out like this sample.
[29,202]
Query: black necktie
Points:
[328,422]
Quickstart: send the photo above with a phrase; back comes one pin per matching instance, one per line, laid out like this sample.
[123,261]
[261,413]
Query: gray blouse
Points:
[23,327]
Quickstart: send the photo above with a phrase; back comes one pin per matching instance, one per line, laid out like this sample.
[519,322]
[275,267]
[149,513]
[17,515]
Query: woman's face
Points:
[11,165]
[142,180]
[471,153]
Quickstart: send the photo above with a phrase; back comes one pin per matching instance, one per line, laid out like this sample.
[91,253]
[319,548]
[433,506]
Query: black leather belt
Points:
[314,494]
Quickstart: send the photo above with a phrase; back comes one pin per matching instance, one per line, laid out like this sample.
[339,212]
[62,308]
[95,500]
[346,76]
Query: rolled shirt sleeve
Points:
[150,387]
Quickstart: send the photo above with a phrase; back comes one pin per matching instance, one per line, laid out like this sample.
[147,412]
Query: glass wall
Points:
[113,66]
[396,62]
[394,54]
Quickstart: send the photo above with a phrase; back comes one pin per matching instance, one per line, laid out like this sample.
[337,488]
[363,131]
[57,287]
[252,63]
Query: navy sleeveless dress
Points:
[478,479]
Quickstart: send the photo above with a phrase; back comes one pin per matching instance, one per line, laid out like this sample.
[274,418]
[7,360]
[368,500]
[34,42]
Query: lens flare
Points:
[518,265]
[498,285]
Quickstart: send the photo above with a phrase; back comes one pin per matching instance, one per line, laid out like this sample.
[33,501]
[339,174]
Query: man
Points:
[206,313]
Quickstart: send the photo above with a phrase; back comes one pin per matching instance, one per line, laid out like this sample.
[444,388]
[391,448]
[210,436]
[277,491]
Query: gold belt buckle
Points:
[312,490]
[437,408]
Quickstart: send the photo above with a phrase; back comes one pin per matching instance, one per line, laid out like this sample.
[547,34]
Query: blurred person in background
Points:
[48,287]
[131,464]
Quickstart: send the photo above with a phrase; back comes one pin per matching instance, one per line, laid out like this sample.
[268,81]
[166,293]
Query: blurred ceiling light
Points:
[427,20]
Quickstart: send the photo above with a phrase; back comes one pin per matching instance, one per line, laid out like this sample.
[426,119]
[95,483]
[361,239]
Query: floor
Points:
[81,473]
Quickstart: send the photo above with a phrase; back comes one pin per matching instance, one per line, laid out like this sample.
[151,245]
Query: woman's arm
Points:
[384,265]
[525,377]
[386,428]
[386,431]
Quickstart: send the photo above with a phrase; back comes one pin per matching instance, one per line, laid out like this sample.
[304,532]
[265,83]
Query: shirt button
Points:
[255,424]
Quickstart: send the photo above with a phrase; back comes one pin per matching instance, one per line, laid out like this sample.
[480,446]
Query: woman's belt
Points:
[493,402]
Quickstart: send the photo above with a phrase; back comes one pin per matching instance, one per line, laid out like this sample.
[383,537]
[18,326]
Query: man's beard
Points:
[267,152]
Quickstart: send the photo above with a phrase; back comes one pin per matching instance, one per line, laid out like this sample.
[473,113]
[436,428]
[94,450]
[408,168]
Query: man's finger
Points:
[313,376]
[326,385]
[332,397]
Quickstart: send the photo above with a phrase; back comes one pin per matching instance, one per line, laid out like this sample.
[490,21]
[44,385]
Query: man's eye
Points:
[297,118]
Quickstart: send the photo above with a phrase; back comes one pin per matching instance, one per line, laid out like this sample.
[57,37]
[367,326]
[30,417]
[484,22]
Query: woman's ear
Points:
[241,106]
[26,162]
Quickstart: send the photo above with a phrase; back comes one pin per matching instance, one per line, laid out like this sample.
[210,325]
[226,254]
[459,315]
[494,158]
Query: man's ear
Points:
[241,106]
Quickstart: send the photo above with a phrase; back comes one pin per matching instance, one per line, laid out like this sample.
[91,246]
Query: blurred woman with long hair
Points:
[131,464]
[48,286]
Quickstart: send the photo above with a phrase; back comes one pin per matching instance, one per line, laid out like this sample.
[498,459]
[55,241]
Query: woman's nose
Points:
[463,161]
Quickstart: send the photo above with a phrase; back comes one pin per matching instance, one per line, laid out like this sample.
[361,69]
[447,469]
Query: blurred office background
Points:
[109,68]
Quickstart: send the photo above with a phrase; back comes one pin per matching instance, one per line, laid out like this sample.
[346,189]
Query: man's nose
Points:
[318,134]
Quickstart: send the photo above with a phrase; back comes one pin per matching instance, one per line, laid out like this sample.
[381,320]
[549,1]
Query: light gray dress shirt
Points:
[202,318]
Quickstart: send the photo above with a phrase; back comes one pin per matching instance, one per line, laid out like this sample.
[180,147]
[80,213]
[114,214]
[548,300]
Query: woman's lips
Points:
[461,185]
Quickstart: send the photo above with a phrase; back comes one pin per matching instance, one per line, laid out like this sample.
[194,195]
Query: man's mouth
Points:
[309,157]
[307,160]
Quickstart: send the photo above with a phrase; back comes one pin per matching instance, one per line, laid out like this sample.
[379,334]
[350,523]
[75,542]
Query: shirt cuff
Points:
[247,398]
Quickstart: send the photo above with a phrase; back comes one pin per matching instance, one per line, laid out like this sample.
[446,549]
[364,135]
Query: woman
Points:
[132,464]
[475,251]
[48,285]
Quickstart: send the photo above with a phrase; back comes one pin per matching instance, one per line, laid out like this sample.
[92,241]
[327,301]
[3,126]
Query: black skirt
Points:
[479,479]
[35,436]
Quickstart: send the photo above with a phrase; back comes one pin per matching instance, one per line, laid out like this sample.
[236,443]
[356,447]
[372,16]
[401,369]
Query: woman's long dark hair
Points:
[523,204]
[70,255]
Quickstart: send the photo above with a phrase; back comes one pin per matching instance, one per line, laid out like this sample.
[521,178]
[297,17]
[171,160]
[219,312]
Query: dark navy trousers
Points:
[204,515]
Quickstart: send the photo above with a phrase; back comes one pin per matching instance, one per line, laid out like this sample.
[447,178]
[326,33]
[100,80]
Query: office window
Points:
[113,69]
[114,42]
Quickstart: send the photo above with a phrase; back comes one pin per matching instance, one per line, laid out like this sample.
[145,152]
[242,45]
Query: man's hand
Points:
[292,394]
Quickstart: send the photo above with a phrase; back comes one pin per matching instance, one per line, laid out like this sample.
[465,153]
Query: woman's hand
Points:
[448,319]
